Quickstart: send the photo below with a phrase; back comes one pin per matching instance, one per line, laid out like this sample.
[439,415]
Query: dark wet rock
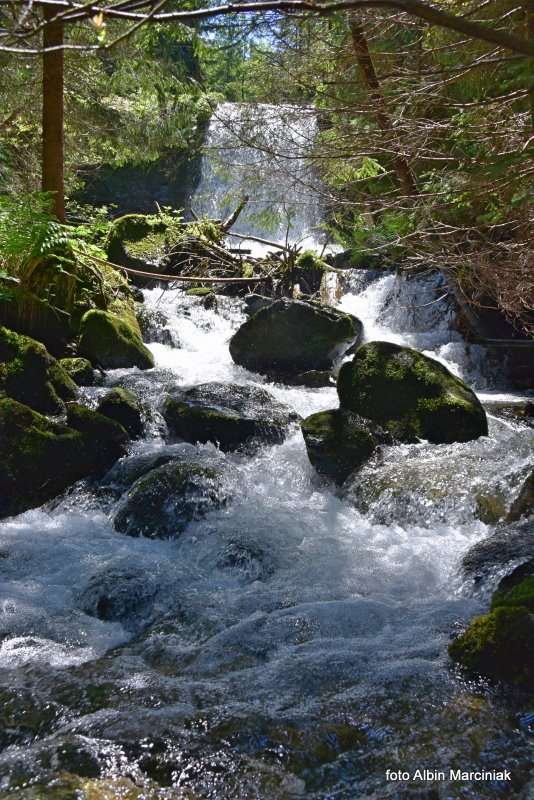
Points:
[228,414]
[339,442]
[154,325]
[290,336]
[253,303]
[112,341]
[162,502]
[29,374]
[523,505]
[79,369]
[41,458]
[248,559]
[126,471]
[314,379]
[410,394]
[119,595]
[210,302]
[506,548]
[123,406]
[517,412]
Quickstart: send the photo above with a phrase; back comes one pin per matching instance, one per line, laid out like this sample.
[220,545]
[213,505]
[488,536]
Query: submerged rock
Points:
[502,551]
[501,644]
[118,595]
[29,374]
[123,406]
[339,442]
[162,502]
[111,341]
[410,394]
[41,458]
[79,369]
[288,337]
[227,414]
[126,471]
[154,326]
[247,559]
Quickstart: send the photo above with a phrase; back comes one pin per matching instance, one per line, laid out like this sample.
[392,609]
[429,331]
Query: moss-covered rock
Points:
[339,442]
[410,394]
[499,644]
[137,240]
[123,406]
[29,374]
[79,369]
[113,341]
[227,414]
[523,505]
[289,337]
[199,291]
[522,594]
[41,458]
[161,503]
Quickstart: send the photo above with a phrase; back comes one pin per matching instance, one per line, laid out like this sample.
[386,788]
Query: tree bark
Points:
[402,168]
[53,74]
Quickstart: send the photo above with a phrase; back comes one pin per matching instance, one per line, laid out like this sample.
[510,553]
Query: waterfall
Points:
[261,151]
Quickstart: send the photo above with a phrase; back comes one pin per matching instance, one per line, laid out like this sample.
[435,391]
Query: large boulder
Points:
[500,644]
[339,442]
[410,394]
[41,458]
[112,341]
[227,414]
[162,502]
[29,374]
[289,337]
[123,406]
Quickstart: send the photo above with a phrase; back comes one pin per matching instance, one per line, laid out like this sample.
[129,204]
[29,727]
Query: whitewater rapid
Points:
[338,606]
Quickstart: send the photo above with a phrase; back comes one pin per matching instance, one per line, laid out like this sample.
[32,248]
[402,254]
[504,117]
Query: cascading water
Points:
[290,644]
[259,151]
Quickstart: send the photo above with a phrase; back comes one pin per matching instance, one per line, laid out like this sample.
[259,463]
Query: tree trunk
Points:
[52,168]
[403,171]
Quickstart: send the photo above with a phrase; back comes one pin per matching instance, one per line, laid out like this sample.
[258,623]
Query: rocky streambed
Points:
[233,609]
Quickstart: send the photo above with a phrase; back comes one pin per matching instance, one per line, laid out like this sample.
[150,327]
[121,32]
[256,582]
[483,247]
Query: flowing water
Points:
[291,644]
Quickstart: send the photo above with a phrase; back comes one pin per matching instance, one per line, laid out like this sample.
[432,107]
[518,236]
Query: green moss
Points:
[199,291]
[112,342]
[79,369]
[499,644]
[411,394]
[29,373]
[247,270]
[308,260]
[520,595]
[136,239]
